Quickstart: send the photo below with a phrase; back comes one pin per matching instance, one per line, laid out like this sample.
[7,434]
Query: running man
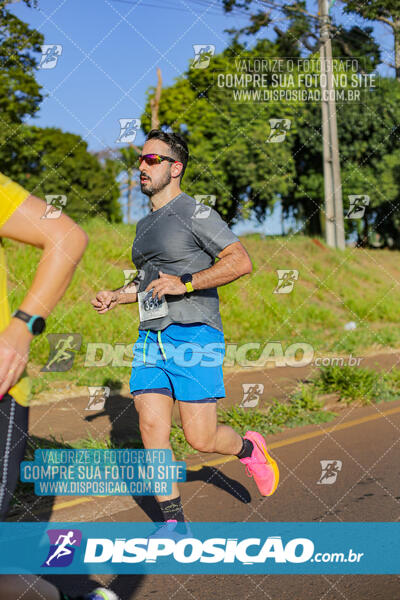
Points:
[63,244]
[175,251]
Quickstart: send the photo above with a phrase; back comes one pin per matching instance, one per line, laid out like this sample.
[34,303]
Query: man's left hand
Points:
[166,284]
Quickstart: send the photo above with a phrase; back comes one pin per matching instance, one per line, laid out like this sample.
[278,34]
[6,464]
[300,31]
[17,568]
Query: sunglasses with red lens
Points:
[154,159]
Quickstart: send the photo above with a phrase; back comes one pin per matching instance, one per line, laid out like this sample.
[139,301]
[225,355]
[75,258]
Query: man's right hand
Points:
[105,301]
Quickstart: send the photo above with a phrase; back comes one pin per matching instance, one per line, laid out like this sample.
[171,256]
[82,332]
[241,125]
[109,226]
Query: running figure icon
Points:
[62,549]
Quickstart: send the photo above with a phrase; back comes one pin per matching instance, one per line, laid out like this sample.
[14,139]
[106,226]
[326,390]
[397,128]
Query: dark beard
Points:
[150,190]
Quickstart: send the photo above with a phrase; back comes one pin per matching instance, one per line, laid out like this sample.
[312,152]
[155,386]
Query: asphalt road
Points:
[365,440]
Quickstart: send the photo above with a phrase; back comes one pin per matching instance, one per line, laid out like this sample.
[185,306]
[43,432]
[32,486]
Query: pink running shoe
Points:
[261,466]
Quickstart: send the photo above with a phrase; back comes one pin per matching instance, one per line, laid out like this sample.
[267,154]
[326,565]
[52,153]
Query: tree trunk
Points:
[129,197]
[365,233]
[397,48]
[312,219]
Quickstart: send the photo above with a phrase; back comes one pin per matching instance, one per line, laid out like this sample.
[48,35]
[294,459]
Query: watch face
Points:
[186,278]
[38,326]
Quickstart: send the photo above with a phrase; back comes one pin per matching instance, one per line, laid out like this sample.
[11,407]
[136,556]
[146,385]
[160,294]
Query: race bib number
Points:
[151,308]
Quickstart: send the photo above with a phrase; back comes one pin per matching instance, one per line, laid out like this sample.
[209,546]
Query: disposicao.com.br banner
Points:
[194,548]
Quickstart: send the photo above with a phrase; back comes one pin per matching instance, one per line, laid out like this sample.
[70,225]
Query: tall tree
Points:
[19,91]
[51,162]
[230,156]
[383,11]
[46,160]
[369,145]
[297,29]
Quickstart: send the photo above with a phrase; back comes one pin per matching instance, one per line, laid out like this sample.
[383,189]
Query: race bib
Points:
[151,308]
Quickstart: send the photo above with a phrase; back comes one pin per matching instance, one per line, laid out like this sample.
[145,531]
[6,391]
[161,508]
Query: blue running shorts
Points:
[183,361]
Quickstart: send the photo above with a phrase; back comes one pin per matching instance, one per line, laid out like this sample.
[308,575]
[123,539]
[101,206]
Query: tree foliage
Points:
[368,140]
[230,156]
[383,11]
[47,161]
[52,162]
[20,94]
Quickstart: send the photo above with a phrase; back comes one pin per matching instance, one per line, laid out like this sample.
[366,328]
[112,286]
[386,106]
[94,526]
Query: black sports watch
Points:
[35,324]
[186,278]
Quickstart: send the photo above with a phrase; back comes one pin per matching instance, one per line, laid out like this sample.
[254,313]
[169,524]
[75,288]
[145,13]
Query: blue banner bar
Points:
[194,548]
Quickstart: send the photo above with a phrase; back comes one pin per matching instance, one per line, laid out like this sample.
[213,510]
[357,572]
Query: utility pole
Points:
[332,183]
[155,102]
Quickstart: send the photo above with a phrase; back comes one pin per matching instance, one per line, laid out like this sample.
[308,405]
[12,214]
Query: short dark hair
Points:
[176,143]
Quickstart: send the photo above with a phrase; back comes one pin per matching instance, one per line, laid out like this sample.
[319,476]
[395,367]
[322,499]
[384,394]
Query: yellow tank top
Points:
[11,196]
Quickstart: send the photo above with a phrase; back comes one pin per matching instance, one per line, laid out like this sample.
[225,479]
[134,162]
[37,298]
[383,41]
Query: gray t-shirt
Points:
[183,236]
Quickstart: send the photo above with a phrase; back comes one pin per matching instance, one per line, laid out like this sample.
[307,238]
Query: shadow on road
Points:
[124,433]
[221,481]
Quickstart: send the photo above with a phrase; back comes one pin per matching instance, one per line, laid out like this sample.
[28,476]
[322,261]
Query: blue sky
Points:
[110,52]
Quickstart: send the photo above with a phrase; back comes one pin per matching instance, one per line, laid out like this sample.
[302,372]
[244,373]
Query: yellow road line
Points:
[69,503]
[301,438]
[287,442]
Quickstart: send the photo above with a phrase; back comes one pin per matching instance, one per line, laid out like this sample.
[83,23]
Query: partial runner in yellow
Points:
[62,243]
[11,196]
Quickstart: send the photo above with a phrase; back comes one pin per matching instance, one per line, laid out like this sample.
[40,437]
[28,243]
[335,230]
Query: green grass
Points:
[333,288]
[303,408]
[365,385]
[179,444]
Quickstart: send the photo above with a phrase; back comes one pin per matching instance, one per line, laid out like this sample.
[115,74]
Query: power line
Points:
[172,7]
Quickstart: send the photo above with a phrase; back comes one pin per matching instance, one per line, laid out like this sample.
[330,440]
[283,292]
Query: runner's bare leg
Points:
[155,417]
[202,432]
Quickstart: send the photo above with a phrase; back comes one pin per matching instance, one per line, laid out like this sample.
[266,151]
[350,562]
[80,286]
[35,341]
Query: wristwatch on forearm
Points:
[187,280]
[34,323]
